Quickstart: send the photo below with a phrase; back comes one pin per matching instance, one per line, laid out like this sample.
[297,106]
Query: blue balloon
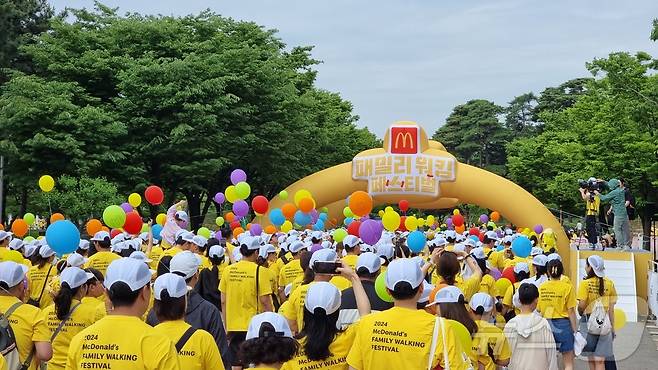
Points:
[276,217]
[521,247]
[319,225]
[63,237]
[156,230]
[302,218]
[416,241]
[348,221]
[500,248]
[475,238]
[323,216]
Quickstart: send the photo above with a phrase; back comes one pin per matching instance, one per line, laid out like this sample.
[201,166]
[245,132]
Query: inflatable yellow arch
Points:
[411,167]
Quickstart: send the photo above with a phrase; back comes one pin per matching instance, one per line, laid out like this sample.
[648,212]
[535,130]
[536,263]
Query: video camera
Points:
[590,184]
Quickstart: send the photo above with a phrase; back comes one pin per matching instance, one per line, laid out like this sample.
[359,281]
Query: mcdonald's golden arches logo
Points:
[404,140]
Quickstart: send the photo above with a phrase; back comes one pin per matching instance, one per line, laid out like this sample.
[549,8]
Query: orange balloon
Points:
[306,205]
[237,231]
[106,229]
[460,229]
[94,226]
[495,216]
[249,226]
[270,229]
[56,217]
[288,210]
[229,216]
[360,203]
[433,294]
[2,227]
[19,227]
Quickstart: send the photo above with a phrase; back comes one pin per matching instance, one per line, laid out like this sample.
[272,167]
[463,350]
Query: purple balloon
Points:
[126,207]
[500,233]
[255,230]
[314,216]
[219,198]
[449,222]
[495,273]
[370,231]
[539,229]
[240,208]
[484,219]
[237,176]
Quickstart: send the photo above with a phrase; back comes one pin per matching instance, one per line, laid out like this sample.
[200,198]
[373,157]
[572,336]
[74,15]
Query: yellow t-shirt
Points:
[351,260]
[296,283]
[238,283]
[514,261]
[555,299]
[199,352]
[27,325]
[154,256]
[53,286]
[290,272]
[565,278]
[588,291]
[295,310]
[339,348]
[205,262]
[488,285]
[469,286]
[341,283]
[400,338]
[97,304]
[82,317]
[497,259]
[121,342]
[509,295]
[171,251]
[490,336]
[101,260]
[284,306]
[3,364]
[36,278]
[27,262]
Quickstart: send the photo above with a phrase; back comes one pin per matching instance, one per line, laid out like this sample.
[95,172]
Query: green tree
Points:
[520,116]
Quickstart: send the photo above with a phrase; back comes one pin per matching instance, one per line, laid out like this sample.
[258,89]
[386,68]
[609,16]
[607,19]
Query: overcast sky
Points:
[417,59]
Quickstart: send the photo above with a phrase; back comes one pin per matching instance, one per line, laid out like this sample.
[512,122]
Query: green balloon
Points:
[242,190]
[283,194]
[114,216]
[29,218]
[28,239]
[204,231]
[324,210]
[380,288]
[339,235]
[219,221]
[145,228]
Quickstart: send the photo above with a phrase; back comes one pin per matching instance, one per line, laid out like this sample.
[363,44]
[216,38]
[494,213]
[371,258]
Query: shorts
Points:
[563,334]
[597,345]
[235,339]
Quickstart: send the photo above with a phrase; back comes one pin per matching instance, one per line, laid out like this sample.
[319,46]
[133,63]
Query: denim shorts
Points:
[563,334]
[597,345]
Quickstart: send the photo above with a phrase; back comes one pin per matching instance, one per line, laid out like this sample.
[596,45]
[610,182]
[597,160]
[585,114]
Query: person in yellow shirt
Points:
[103,256]
[39,276]
[269,343]
[31,332]
[352,246]
[521,272]
[121,340]
[267,259]
[448,269]
[488,283]
[67,316]
[243,289]
[404,337]
[5,239]
[196,347]
[95,296]
[489,343]
[557,304]
[293,269]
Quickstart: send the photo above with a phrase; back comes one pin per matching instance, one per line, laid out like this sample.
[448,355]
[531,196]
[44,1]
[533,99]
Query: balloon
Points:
[46,183]
[461,333]
[508,273]
[161,219]
[324,210]
[135,199]
[28,239]
[501,286]
[204,231]
[283,194]
[410,223]
[242,190]
[269,229]
[348,220]
[115,232]
[430,220]
[276,217]
[360,203]
[234,225]
[455,212]
[219,221]
[260,204]
[219,198]
[484,219]
[230,194]
[106,229]
[449,222]
[114,216]
[126,207]
[474,231]
[238,176]
[495,216]
[458,220]
[495,273]
[156,230]
[370,231]
[353,228]
[301,194]
[287,226]
[56,217]
[256,229]
[380,288]
[306,205]
[63,237]
[145,228]
[93,226]
[19,227]
[29,218]
[521,247]
[391,220]
[403,205]
[133,223]
[230,217]
[339,235]
[302,218]
[388,209]
[416,241]
[323,216]
[347,212]
[154,195]
[401,227]
[288,210]
[237,231]
[240,208]
[538,229]
[620,318]
[319,225]
[460,229]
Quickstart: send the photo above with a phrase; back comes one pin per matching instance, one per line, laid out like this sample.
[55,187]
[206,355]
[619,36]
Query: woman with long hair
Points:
[269,343]
[208,285]
[448,268]
[39,276]
[95,296]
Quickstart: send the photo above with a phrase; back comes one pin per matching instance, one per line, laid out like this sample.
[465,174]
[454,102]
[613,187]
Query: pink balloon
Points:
[240,208]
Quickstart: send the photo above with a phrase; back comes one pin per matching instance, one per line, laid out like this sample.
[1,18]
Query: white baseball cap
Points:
[74,276]
[172,283]
[101,236]
[323,255]
[84,244]
[448,294]
[140,256]
[182,215]
[296,246]
[403,270]
[75,260]
[367,248]
[179,233]
[459,247]
[535,251]
[539,260]
[216,251]
[520,267]
[316,235]
[326,244]
[199,241]
[479,253]
[351,241]
[323,295]
[276,321]
[252,243]
[440,241]
[15,244]
[596,263]
[553,256]
[386,250]
[188,236]
[5,234]
[12,273]
[265,250]
[492,235]
[427,290]
[130,271]
[186,263]
[30,249]
[452,234]
[237,256]
[483,300]
[118,238]
[370,261]
[470,243]
[45,251]
[287,290]
[144,236]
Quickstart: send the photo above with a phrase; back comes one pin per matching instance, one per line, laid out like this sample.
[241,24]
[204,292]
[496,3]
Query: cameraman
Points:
[593,203]
[617,200]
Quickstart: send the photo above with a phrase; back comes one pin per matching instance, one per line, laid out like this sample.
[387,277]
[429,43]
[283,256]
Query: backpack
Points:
[599,321]
[8,347]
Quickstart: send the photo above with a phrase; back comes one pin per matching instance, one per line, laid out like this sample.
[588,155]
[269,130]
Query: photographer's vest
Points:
[593,207]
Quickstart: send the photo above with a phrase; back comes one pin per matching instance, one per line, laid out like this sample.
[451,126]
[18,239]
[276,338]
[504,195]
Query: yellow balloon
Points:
[301,194]
[135,199]
[380,213]
[620,318]
[420,222]
[391,220]
[287,226]
[161,219]
[430,220]
[46,183]
[389,209]
[455,212]
[411,223]
[230,194]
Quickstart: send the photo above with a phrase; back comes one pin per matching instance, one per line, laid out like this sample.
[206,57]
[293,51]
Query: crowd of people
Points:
[299,300]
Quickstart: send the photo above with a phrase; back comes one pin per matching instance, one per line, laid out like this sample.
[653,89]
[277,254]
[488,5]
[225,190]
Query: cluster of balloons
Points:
[301,212]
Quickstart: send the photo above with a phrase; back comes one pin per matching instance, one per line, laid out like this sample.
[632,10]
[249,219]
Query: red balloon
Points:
[403,205]
[458,220]
[474,231]
[402,227]
[154,195]
[133,224]
[481,236]
[353,228]
[260,204]
[114,233]
[508,273]
[235,224]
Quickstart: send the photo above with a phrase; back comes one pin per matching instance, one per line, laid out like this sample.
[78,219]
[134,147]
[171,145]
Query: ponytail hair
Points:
[448,267]
[555,269]
[320,331]
[591,274]
[63,300]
